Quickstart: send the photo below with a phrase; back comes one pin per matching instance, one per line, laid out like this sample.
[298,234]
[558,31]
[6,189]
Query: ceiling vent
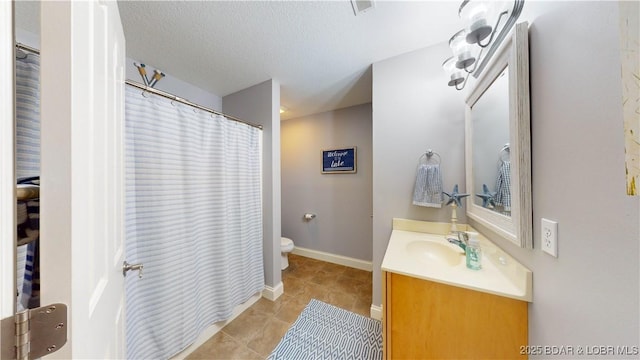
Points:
[360,7]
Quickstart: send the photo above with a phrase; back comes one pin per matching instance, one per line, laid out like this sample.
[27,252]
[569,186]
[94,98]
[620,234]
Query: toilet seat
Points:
[286,244]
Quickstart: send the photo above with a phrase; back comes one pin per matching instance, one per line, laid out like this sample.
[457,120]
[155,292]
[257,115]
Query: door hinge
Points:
[34,333]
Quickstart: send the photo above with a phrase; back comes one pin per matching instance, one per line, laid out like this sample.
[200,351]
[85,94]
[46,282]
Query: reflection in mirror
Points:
[27,153]
[491,155]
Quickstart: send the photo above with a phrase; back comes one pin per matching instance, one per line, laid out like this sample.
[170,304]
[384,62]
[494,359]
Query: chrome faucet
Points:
[461,240]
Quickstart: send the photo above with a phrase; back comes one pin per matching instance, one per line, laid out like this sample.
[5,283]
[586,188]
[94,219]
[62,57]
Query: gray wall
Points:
[413,110]
[23,36]
[342,202]
[175,86]
[260,104]
[589,295]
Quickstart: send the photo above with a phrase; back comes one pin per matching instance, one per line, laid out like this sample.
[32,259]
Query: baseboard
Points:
[376,312]
[209,332]
[333,258]
[272,294]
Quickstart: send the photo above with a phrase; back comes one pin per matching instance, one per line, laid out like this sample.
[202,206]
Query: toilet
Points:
[286,246]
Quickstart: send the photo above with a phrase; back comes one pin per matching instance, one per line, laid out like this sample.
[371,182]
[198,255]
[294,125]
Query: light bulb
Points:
[461,50]
[474,13]
[456,75]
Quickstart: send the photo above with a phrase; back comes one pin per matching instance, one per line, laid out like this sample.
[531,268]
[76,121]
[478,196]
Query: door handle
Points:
[126,267]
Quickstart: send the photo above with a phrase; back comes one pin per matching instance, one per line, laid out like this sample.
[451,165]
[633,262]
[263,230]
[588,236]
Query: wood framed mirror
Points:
[498,143]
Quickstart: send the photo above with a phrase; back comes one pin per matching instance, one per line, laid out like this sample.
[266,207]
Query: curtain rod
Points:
[159,92]
[27,48]
[185,101]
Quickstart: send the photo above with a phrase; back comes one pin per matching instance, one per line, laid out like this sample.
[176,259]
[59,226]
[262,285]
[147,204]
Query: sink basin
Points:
[430,252]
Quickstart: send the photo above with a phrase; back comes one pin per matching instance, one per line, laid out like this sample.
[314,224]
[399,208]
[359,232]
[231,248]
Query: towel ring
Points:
[505,150]
[429,156]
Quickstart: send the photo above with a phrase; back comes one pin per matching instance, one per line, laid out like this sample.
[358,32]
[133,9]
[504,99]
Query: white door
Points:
[82,175]
[82,73]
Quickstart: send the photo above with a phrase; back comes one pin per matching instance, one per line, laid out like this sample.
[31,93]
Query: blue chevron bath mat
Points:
[323,331]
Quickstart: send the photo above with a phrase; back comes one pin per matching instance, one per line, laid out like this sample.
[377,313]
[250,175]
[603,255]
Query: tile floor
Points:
[257,331]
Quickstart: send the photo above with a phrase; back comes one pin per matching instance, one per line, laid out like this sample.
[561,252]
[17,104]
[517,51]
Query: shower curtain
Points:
[193,219]
[27,165]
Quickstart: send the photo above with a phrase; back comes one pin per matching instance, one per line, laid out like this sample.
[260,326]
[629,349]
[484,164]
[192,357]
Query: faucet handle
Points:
[463,236]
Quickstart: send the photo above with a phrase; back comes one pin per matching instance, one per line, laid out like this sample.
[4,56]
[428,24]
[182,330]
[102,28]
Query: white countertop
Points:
[500,274]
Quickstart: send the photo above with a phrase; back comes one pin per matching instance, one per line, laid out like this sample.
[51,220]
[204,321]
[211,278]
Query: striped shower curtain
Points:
[193,218]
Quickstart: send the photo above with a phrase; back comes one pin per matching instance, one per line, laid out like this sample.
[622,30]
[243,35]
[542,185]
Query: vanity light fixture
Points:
[469,44]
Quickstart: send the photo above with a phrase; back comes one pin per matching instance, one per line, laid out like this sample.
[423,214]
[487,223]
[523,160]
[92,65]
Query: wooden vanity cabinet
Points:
[429,320]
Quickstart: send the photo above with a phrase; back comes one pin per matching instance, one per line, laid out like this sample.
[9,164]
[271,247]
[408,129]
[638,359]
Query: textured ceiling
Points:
[319,51]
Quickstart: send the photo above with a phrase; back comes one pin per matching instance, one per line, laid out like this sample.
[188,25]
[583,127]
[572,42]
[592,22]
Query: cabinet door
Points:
[429,320]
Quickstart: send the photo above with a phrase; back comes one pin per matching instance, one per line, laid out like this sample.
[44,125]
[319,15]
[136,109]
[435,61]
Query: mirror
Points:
[498,144]
[27,153]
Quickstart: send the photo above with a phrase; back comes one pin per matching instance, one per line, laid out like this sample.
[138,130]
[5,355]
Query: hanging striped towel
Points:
[503,186]
[428,187]
[21,264]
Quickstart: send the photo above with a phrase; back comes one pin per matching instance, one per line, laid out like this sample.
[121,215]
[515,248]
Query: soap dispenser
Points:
[473,252]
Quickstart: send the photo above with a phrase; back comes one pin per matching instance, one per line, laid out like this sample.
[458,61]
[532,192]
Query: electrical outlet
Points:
[549,235]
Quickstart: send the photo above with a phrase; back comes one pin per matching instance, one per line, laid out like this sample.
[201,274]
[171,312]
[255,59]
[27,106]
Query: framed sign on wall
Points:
[339,161]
